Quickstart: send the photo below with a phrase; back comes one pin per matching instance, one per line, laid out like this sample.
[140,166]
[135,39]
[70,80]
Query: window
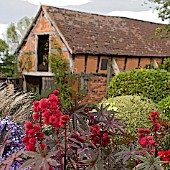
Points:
[104,64]
[42,53]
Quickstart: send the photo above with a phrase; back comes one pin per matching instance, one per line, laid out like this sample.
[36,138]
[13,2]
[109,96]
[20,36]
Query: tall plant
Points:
[63,79]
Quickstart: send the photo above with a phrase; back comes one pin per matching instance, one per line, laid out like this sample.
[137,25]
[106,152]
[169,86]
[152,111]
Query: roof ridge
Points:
[102,15]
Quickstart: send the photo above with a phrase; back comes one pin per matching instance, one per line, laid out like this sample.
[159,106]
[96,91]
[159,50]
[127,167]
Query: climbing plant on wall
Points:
[63,79]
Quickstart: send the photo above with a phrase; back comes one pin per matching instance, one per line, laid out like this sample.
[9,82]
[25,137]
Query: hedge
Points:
[150,83]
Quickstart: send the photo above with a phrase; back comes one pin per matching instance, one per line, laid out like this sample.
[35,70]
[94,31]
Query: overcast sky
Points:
[13,10]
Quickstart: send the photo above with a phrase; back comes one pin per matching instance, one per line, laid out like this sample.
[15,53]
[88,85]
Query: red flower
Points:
[53,98]
[42,145]
[31,132]
[74,135]
[147,140]
[147,131]
[25,139]
[141,130]
[28,125]
[65,118]
[36,116]
[52,119]
[153,114]
[156,127]
[46,121]
[32,141]
[46,113]
[30,147]
[37,127]
[44,103]
[35,103]
[40,135]
[140,136]
[56,92]
[36,109]
[164,155]
[54,106]
[58,113]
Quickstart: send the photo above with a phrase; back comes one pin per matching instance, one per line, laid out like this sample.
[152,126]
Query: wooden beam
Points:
[115,66]
[109,72]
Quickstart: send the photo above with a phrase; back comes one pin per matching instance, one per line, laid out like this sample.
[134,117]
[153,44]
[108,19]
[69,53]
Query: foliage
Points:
[162,8]
[89,138]
[11,146]
[3,46]
[149,163]
[22,26]
[44,93]
[132,110]
[89,146]
[150,140]
[150,83]
[14,32]
[17,105]
[63,79]
[9,64]
[166,64]
[164,105]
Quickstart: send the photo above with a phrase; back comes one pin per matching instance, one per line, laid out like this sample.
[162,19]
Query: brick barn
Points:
[95,45]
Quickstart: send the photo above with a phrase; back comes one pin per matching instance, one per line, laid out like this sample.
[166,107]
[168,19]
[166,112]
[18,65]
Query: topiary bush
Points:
[150,83]
[164,105]
[133,110]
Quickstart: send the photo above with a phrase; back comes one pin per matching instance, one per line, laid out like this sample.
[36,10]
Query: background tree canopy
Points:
[163,8]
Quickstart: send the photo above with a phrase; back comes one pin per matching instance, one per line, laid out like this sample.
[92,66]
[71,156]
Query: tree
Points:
[9,64]
[16,31]
[163,8]
[3,46]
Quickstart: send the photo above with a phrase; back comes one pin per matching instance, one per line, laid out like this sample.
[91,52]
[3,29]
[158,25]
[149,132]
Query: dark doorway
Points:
[43,52]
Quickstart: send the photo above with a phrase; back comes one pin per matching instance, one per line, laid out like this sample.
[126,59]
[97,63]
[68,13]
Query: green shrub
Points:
[164,105]
[133,110]
[166,64]
[150,83]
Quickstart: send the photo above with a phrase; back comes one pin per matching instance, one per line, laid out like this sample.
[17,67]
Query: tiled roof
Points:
[87,33]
